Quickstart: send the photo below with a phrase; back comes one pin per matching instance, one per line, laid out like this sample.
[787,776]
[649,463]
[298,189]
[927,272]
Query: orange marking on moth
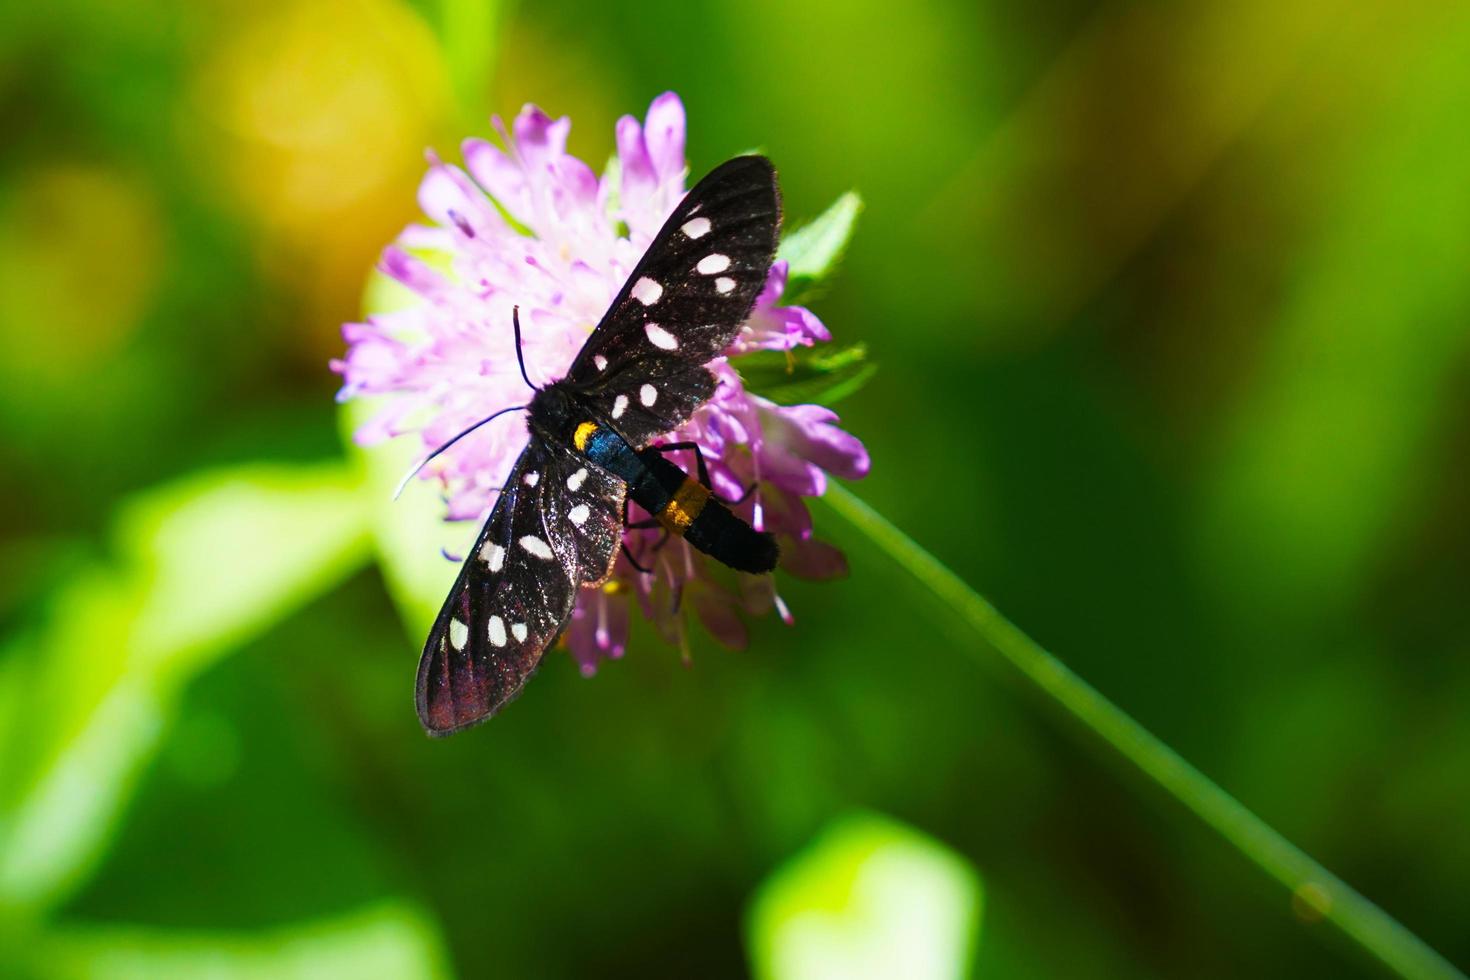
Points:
[688,501]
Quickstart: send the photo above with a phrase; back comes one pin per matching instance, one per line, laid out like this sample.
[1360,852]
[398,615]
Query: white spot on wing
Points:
[696,227]
[715,262]
[648,394]
[575,481]
[578,515]
[600,361]
[459,634]
[531,479]
[724,284]
[536,546]
[620,405]
[497,631]
[493,555]
[659,337]
[646,291]
[519,631]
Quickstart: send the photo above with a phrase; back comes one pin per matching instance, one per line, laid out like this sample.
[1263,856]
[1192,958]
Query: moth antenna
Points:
[402,484]
[515,318]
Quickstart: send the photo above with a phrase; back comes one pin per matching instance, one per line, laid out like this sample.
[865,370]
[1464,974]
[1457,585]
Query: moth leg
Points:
[649,525]
[643,525]
[701,468]
[744,496]
[634,561]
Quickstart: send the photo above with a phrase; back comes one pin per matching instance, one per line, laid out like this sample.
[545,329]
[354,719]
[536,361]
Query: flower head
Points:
[526,224]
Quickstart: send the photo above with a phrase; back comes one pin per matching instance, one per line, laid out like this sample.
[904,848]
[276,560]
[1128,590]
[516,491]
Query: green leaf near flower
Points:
[807,376]
[813,250]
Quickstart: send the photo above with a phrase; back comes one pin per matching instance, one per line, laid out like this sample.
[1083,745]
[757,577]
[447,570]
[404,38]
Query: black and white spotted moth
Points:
[558,523]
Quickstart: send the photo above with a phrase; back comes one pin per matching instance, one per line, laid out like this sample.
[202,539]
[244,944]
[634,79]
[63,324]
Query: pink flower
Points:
[532,226]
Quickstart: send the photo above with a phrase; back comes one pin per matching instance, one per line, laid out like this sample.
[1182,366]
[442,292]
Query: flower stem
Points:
[1320,891]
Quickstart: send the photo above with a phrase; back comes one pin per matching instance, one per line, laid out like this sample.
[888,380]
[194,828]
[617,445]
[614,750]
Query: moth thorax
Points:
[554,412]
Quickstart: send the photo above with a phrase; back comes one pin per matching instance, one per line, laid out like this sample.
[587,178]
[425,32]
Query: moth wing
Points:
[511,601]
[683,304]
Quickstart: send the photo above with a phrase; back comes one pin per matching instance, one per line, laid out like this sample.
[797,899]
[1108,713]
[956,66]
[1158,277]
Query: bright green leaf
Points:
[870,898]
[390,940]
[813,250]
[228,552]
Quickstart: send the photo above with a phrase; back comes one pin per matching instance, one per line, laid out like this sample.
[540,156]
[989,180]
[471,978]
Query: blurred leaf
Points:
[807,376]
[1329,446]
[870,898]
[813,250]
[228,552]
[203,565]
[390,940]
[408,532]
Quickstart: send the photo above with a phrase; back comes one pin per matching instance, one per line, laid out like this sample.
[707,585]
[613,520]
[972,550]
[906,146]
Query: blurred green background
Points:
[1172,307]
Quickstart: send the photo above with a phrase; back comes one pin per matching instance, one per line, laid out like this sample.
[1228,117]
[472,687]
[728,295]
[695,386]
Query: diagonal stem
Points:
[1374,930]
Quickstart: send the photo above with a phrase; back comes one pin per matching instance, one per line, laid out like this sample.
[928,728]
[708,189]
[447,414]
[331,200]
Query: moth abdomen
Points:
[722,535]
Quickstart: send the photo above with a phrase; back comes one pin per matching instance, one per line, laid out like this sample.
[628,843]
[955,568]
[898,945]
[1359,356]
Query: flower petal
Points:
[812,559]
[447,195]
[599,629]
[540,140]
[718,613]
[412,272]
[663,136]
[809,431]
[501,176]
[639,177]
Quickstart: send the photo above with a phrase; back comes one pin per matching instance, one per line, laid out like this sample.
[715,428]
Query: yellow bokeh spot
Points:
[80,256]
[323,103]
[312,118]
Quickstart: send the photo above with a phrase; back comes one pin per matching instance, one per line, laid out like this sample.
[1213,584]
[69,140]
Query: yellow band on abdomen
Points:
[583,433]
[688,501]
